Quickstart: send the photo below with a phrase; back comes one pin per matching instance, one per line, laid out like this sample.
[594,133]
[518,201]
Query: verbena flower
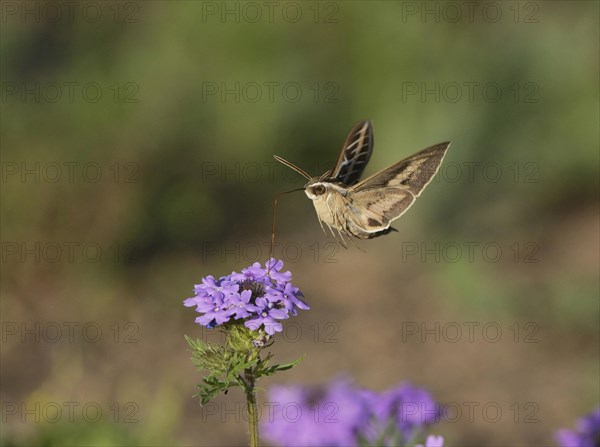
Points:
[587,433]
[341,414]
[404,411]
[259,297]
[432,441]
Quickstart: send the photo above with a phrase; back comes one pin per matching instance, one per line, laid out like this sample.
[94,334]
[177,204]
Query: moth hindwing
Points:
[365,209]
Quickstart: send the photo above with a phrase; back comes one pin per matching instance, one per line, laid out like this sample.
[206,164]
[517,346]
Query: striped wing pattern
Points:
[355,154]
[413,173]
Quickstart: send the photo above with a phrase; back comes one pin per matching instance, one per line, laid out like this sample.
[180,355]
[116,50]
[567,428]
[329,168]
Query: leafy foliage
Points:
[230,364]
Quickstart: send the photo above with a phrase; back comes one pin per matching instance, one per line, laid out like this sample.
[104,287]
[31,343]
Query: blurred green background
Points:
[137,156]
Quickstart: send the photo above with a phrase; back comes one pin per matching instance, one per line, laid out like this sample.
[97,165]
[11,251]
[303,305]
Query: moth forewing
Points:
[413,173]
[385,196]
[355,154]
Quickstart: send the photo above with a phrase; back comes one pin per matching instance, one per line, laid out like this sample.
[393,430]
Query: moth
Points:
[365,209]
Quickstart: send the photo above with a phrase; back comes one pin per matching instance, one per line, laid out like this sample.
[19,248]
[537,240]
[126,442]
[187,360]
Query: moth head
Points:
[314,188]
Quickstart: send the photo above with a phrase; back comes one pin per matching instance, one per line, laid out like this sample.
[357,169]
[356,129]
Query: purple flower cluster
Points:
[258,296]
[587,433]
[341,414]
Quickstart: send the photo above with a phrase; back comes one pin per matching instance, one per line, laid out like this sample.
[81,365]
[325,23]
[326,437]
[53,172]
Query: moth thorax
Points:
[315,190]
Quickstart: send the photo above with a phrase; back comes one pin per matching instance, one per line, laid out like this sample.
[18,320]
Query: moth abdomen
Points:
[381,233]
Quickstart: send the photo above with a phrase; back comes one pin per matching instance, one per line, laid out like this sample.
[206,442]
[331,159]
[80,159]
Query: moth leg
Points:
[356,245]
[321,223]
[351,237]
[343,243]
[335,237]
[330,234]
[333,234]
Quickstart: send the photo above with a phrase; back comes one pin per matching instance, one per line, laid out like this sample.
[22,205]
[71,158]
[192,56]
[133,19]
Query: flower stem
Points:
[251,401]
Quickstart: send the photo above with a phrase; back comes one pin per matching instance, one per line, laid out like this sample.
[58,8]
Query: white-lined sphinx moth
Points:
[365,209]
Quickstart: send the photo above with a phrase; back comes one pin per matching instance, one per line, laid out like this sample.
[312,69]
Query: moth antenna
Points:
[324,176]
[292,166]
[275,202]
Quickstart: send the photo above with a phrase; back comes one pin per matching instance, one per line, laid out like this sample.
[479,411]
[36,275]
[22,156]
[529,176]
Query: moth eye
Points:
[319,189]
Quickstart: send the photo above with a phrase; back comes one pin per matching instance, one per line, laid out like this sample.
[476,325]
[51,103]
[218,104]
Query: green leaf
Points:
[282,367]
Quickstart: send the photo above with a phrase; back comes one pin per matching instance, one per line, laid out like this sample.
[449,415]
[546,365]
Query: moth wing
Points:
[412,174]
[370,212]
[355,154]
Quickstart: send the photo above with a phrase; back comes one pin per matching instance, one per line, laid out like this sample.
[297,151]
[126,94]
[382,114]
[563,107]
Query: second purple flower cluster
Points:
[342,414]
[258,296]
